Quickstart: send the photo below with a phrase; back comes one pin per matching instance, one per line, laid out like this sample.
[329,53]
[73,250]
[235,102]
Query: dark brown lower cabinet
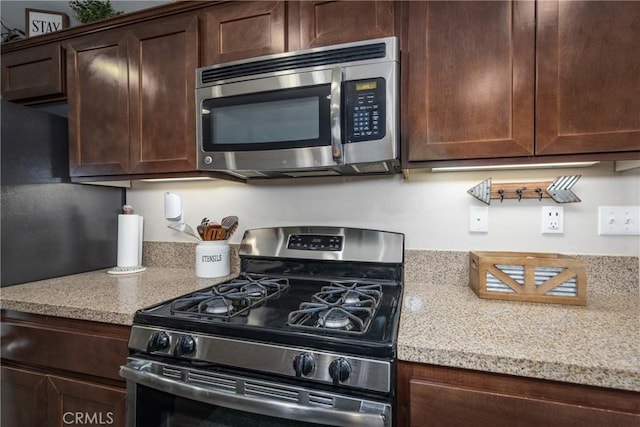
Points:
[58,372]
[24,396]
[30,398]
[430,396]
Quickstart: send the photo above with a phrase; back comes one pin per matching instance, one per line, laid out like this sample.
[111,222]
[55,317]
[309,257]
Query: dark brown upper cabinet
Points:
[97,81]
[322,23]
[470,87]
[131,99]
[476,68]
[588,70]
[34,75]
[240,30]
[163,57]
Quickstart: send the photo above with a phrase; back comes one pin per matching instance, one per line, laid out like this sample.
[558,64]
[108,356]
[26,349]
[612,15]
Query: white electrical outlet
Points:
[619,220]
[479,219]
[552,219]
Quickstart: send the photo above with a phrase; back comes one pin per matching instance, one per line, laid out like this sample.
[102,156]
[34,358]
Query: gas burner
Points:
[254,290]
[229,299]
[334,318]
[350,293]
[251,287]
[340,306]
[352,297]
[216,306]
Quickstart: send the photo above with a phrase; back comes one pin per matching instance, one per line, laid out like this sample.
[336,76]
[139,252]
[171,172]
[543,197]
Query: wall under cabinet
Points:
[432,209]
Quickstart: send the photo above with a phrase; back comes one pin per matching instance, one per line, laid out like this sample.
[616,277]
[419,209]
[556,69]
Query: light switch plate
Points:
[619,220]
[479,219]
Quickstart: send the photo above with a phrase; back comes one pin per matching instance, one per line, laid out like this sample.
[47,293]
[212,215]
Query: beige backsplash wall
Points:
[613,275]
[432,209]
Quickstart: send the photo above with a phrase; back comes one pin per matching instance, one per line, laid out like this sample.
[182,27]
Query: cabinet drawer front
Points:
[91,353]
[32,74]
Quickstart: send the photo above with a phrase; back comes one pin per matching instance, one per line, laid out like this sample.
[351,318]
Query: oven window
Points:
[158,409]
[290,118]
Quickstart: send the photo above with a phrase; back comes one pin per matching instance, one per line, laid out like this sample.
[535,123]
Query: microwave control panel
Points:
[365,105]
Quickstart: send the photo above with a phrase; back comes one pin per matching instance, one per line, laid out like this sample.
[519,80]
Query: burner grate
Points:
[231,299]
[342,307]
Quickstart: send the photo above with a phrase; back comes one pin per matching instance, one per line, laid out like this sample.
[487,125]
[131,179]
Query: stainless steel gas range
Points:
[305,335]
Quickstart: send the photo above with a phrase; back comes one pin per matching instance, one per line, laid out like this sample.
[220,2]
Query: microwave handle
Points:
[334,111]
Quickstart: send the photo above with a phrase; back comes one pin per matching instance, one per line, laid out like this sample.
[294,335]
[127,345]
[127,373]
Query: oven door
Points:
[160,394]
[289,121]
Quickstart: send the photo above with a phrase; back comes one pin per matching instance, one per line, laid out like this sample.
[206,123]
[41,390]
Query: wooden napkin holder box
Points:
[530,277]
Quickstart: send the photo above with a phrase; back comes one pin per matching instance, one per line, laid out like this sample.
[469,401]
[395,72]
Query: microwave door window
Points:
[290,118]
[276,121]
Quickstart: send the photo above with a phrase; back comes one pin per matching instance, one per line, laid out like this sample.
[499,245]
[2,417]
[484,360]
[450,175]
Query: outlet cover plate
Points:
[479,219]
[552,219]
[619,220]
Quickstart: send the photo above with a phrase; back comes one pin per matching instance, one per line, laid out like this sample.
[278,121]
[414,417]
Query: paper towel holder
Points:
[130,226]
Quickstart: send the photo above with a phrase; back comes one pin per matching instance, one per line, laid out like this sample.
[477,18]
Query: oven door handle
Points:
[249,404]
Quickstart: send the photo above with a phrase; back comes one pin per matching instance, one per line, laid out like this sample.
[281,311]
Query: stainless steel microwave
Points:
[324,111]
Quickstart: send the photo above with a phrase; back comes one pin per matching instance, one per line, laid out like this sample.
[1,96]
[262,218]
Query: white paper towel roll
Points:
[129,240]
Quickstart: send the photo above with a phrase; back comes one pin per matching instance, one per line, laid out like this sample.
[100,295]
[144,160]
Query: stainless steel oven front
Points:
[170,394]
[304,335]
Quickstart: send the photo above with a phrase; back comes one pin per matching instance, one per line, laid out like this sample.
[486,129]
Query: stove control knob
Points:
[303,364]
[339,370]
[159,341]
[185,345]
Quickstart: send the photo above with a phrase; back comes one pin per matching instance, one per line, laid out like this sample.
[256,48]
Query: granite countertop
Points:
[103,297]
[595,345]
[442,321]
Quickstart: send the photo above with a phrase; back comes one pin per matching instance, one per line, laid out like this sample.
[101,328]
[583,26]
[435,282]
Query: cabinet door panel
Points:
[322,23]
[588,94]
[471,82]
[37,72]
[97,82]
[83,403]
[239,30]
[23,398]
[163,57]
[443,405]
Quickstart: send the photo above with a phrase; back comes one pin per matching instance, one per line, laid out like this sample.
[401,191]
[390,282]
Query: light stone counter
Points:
[443,322]
[102,297]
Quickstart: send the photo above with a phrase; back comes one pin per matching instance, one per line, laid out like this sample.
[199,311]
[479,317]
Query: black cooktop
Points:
[372,299]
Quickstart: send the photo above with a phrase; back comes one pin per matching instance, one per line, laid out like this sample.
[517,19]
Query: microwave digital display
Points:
[365,110]
[366,85]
